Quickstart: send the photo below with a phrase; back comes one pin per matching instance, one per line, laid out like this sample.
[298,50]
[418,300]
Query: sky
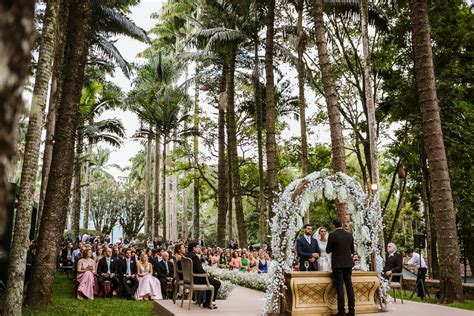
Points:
[130,48]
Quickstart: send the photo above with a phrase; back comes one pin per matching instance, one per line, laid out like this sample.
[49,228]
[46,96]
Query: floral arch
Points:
[288,220]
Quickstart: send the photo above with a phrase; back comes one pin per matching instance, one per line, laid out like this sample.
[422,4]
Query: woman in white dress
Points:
[324,261]
[148,286]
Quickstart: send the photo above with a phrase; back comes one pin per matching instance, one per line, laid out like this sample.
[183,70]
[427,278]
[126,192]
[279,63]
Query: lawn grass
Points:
[65,303]
[468,304]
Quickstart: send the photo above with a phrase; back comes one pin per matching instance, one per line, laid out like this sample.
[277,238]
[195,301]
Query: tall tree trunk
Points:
[16,36]
[301,45]
[445,218]
[271,145]
[20,240]
[54,94]
[59,183]
[156,222]
[76,205]
[258,109]
[371,121]
[221,165]
[239,210]
[230,189]
[163,190]
[337,139]
[185,229]
[174,204]
[148,224]
[87,189]
[196,226]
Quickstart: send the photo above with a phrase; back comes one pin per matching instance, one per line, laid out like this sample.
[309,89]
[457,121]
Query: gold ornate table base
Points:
[313,293]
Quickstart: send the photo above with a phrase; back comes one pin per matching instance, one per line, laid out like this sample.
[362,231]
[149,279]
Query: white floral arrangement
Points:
[251,280]
[288,220]
[224,290]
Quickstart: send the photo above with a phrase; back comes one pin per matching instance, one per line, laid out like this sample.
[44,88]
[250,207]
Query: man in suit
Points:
[308,249]
[128,273]
[193,250]
[67,256]
[341,246]
[394,262]
[107,270]
[165,271]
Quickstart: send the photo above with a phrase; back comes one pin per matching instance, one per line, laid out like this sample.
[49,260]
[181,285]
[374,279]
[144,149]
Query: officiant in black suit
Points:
[341,247]
[308,249]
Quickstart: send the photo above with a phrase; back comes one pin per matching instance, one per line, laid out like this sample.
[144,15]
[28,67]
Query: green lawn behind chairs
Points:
[468,304]
[65,303]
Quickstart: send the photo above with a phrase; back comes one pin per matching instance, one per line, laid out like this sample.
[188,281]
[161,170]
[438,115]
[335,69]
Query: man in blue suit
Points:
[308,249]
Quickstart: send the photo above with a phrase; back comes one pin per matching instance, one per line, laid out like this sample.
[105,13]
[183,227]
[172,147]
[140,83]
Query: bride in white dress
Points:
[324,261]
[149,287]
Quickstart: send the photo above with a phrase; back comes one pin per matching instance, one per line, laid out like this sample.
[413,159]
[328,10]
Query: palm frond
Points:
[109,49]
[115,22]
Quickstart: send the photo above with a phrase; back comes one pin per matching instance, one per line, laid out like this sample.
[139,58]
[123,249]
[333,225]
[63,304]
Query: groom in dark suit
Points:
[341,246]
[308,249]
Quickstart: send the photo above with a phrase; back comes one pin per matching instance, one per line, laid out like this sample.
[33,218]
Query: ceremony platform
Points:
[247,302]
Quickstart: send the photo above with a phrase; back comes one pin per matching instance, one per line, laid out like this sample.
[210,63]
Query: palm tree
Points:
[108,20]
[445,216]
[78,41]
[20,239]
[337,139]
[271,146]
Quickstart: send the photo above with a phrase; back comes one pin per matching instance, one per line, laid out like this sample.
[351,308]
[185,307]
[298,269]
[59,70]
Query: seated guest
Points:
[107,239]
[262,264]
[179,251]
[394,262]
[244,263]
[77,253]
[66,255]
[116,255]
[88,286]
[128,272]
[148,286]
[235,263]
[107,270]
[165,272]
[222,260]
[193,249]
[252,263]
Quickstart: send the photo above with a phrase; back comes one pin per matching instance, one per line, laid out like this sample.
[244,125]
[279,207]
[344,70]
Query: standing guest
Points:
[86,276]
[308,250]
[129,274]
[235,263]
[394,262]
[107,270]
[85,238]
[262,263]
[193,250]
[322,238]
[341,246]
[107,239]
[417,262]
[165,272]
[148,286]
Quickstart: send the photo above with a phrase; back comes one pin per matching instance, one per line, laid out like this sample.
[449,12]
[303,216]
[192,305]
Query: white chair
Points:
[396,285]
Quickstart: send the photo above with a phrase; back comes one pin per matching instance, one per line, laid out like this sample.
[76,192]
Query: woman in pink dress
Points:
[88,286]
[235,264]
[148,286]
